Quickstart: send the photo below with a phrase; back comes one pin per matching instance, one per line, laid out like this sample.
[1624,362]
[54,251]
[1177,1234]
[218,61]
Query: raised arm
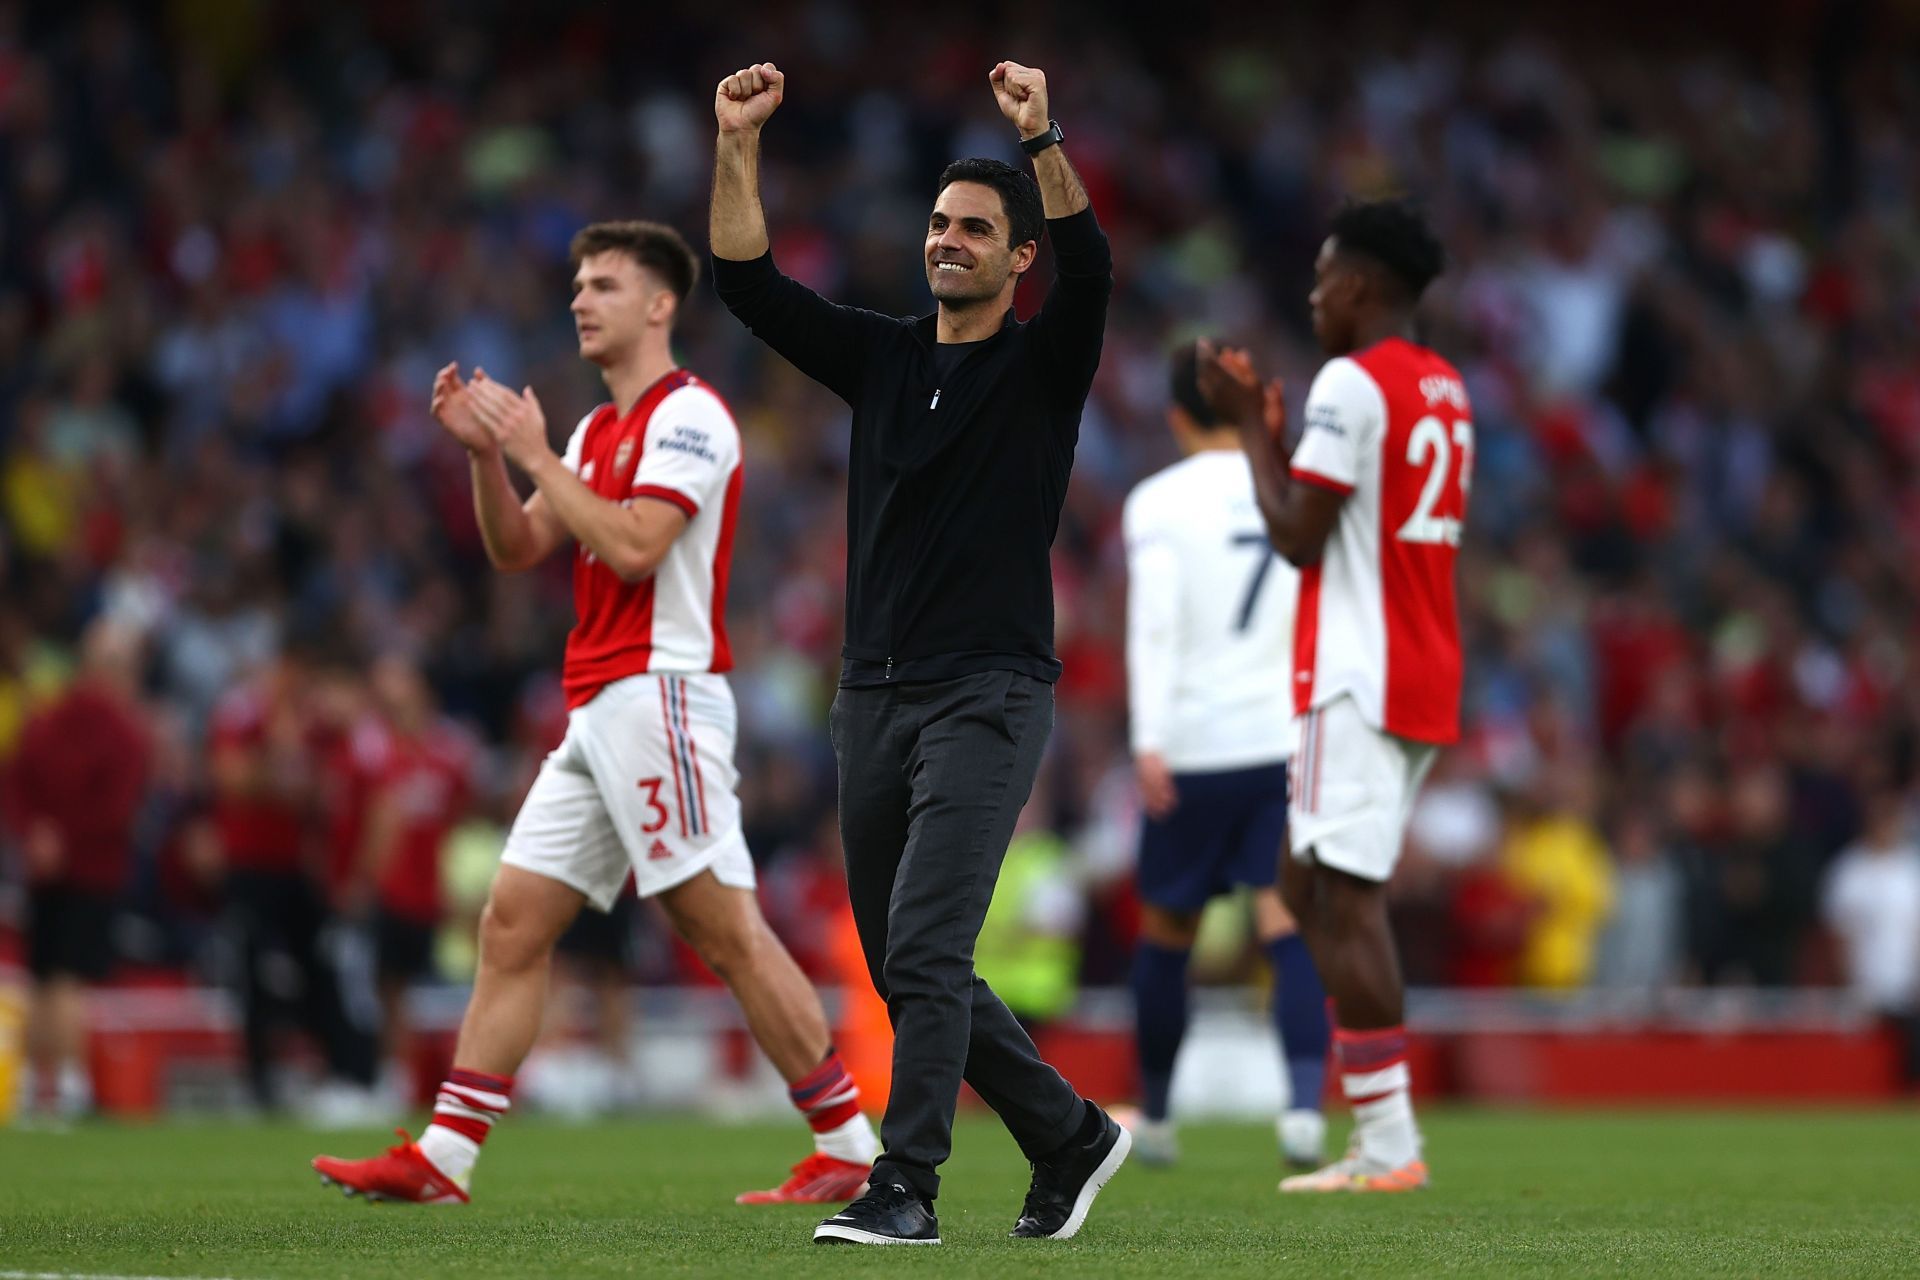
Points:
[1022,95]
[829,343]
[1072,322]
[736,222]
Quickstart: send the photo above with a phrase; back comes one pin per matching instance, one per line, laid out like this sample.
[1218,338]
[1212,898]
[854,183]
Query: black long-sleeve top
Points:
[958,467]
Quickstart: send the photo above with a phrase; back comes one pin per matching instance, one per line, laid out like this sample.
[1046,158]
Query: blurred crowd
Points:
[236,239]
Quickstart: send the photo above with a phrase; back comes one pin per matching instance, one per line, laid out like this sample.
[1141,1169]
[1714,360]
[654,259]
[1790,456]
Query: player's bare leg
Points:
[1345,922]
[1358,960]
[725,926]
[525,915]
[56,1042]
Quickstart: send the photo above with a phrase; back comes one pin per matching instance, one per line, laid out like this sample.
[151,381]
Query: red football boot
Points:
[819,1179]
[404,1173]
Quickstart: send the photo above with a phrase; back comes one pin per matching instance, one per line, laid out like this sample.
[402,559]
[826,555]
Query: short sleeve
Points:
[1345,413]
[692,449]
[577,443]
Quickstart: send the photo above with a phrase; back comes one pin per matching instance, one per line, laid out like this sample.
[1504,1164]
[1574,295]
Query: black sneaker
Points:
[888,1214]
[1065,1183]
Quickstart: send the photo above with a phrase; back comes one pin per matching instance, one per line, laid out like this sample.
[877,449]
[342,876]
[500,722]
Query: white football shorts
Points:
[1352,788]
[644,781]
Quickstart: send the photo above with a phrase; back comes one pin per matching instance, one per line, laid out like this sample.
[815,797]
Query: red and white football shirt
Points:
[678,444]
[1390,428]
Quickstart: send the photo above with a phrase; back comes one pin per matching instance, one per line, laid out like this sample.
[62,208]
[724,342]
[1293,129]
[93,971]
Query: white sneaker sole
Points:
[827,1233]
[1084,1201]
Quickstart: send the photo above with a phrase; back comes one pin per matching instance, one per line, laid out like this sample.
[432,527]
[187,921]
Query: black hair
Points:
[1026,216]
[1394,235]
[1185,386]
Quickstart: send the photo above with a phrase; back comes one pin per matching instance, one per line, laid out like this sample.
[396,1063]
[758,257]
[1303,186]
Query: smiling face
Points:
[615,300]
[968,258]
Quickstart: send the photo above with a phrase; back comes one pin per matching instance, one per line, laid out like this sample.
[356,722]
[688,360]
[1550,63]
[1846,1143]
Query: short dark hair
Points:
[1185,387]
[1394,235]
[654,245]
[1026,216]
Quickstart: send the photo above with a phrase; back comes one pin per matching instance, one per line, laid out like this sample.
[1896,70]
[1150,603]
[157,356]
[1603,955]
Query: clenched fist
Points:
[743,101]
[1022,95]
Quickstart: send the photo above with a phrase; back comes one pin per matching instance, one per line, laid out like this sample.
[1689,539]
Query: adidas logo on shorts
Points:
[658,850]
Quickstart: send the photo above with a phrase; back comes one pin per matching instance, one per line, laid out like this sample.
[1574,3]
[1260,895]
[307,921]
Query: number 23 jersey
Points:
[1391,430]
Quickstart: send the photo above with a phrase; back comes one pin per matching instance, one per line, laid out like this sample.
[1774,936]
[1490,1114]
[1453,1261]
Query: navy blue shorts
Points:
[1229,829]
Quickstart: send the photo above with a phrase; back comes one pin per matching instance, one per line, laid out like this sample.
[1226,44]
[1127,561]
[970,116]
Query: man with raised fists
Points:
[964,425]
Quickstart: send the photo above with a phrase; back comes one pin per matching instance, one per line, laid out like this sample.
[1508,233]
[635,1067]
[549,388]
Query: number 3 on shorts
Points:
[652,787]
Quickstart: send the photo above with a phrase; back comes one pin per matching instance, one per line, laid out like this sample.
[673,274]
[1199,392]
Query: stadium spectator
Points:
[1871,902]
[1557,863]
[266,749]
[1642,944]
[72,794]
[422,779]
[1763,883]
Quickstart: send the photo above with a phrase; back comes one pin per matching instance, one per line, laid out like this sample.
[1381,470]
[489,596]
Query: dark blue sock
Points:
[1160,1012]
[1300,1016]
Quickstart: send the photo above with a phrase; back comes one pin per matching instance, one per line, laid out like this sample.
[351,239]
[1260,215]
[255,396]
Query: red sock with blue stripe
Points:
[830,1100]
[464,1112]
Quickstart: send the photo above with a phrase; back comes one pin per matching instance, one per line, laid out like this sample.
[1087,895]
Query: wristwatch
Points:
[1041,141]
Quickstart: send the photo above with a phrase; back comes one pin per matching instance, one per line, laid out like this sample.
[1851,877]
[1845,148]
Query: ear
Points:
[664,307]
[1024,255]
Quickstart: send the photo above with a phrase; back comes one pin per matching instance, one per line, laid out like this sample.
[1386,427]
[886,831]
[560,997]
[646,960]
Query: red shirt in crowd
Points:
[82,766]
[419,792]
[264,827]
[352,759]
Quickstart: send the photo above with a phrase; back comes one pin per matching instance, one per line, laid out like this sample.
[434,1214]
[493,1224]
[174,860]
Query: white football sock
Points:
[1386,1129]
[853,1142]
[1302,1134]
[74,1090]
[453,1154]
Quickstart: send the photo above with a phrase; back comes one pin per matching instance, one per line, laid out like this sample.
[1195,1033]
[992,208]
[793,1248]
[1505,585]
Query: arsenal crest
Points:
[621,454]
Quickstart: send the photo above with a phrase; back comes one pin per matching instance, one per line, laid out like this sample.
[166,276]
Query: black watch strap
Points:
[1041,141]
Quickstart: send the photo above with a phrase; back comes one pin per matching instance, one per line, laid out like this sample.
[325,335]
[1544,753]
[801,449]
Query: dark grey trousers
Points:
[932,777]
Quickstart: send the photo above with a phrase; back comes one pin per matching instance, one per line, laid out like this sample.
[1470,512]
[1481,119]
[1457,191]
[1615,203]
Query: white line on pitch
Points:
[93,1275]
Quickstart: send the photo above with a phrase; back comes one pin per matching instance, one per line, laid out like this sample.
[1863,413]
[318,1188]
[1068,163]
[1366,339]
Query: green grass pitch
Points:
[1680,1194]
